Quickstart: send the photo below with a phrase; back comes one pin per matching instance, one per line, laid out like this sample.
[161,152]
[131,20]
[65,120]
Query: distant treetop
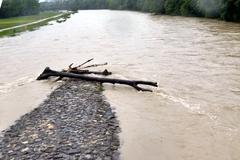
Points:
[13,8]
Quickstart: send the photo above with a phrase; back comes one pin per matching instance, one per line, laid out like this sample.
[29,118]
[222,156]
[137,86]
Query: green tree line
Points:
[14,8]
[222,9]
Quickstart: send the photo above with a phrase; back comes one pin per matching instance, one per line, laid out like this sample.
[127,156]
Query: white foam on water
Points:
[8,87]
[193,108]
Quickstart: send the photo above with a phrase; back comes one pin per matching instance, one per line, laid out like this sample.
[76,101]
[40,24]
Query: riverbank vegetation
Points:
[14,8]
[22,15]
[228,10]
[32,22]
[10,22]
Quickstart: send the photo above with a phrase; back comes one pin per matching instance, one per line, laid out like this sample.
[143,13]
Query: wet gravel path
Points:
[75,122]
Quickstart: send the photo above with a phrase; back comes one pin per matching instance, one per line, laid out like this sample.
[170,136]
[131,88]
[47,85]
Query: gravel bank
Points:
[75,122]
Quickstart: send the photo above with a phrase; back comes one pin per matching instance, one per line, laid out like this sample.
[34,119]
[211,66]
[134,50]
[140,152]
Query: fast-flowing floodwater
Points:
[194,114]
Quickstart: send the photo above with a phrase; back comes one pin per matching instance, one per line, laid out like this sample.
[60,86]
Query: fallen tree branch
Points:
[104,73]
[79,70]
[48,73]
[76,71]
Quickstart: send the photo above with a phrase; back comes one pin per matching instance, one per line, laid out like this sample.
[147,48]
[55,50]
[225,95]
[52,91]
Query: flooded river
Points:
[194,114]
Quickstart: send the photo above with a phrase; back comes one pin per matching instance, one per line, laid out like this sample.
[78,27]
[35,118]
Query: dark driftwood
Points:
[81,69]
[48,73]
[77,71]
[104,73]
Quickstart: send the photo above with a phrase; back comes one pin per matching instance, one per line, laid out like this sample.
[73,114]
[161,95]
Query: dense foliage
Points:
[13,8]
[223,9]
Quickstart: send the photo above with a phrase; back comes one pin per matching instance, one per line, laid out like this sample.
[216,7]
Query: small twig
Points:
[95,65]
[70,66]
[140,88]
[85,63]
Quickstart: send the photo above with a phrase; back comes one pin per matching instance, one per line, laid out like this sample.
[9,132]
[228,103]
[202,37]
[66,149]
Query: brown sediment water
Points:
[193,114]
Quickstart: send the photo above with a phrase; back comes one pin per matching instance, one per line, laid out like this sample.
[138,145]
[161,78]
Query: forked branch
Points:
[48,73]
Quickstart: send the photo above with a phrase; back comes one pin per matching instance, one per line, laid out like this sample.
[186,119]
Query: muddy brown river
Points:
[194,114]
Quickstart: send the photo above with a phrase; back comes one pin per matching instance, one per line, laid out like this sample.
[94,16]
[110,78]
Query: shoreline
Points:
[12,31]
[75,121]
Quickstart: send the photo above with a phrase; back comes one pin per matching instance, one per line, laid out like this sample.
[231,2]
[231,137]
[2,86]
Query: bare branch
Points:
[95,65]
[85,63]
[48,73]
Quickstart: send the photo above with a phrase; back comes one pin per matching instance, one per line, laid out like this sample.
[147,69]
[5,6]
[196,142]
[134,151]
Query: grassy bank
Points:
[10,22]
[16,21]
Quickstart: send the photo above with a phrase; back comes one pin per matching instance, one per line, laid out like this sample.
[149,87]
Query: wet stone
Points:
[74,151]
[74,122]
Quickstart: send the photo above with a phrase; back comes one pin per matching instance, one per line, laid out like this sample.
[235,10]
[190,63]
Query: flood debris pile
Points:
[75,122]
